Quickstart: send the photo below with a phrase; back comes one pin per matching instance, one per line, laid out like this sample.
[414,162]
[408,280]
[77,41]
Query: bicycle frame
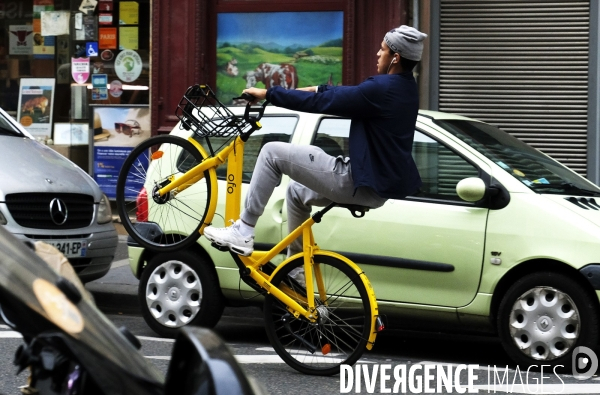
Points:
[233,154]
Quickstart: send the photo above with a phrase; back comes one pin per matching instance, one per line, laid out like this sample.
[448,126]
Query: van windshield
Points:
[534,169]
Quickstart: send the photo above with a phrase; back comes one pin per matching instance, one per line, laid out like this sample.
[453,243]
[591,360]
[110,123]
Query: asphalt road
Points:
[242,330]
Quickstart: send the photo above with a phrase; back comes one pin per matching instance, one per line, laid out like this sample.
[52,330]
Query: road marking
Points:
[10,335]
[261,359]
[156,339]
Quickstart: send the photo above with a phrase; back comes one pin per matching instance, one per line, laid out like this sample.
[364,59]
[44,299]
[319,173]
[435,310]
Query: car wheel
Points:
[178,289]
[544,316]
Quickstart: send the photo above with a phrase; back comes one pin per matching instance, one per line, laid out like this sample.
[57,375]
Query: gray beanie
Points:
[407,41]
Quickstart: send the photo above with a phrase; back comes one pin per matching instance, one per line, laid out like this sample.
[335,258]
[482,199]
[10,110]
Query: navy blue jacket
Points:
[383,110]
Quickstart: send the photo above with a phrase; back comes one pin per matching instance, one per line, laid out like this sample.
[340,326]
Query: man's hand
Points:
[259,94]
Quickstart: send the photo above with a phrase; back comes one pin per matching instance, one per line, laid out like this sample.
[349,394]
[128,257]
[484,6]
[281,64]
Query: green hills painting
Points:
[290,49]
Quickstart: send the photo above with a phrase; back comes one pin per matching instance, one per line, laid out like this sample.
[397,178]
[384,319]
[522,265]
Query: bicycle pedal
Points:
[220,247]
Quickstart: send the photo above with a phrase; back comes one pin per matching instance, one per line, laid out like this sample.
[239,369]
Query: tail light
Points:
[141,213]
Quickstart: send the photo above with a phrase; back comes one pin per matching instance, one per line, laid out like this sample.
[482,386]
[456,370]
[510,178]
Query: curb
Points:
[111,302]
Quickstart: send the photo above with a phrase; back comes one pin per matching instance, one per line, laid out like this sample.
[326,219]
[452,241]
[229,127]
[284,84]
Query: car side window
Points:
[440,168]
[274,128]
[332,136]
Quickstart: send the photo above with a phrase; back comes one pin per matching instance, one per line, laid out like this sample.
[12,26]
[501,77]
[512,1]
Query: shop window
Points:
[112,40]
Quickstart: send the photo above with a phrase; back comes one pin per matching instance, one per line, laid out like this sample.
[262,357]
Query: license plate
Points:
[70,248]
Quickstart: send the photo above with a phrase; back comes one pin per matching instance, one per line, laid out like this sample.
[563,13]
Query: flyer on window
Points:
[128,13]
[36,100]
[114,132]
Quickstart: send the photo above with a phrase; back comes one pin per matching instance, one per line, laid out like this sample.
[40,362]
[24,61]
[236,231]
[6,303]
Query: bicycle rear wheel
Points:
[340,334]
[162,223]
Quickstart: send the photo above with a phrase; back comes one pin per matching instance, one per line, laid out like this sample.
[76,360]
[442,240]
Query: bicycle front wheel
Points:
[341,332]
[162,223]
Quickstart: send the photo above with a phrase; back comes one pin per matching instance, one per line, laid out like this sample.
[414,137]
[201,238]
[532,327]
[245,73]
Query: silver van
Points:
[44,196]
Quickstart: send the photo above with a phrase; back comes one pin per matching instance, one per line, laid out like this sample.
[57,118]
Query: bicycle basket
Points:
[199,110]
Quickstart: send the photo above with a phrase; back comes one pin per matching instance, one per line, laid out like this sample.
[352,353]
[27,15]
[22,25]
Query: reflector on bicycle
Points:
[157,155]
[326,349]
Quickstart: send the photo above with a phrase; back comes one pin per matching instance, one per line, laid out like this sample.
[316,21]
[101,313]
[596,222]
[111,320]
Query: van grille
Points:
[32,210]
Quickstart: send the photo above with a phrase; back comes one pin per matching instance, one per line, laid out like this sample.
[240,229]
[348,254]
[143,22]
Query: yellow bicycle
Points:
[167,195]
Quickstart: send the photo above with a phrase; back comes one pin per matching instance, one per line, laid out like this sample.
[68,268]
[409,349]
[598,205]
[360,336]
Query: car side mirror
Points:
[201,363]
[471,189]
[474,189]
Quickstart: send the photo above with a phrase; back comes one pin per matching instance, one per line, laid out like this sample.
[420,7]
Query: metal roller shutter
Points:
[522,66]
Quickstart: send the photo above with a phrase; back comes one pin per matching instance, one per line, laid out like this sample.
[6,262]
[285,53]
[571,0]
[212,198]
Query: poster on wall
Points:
[36,100]
[115,131]
[249,54]
[20,40]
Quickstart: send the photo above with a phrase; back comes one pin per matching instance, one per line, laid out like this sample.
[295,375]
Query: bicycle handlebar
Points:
[246,96]
[259,110]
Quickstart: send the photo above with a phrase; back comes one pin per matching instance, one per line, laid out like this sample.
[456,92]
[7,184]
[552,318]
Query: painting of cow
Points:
[231,67]
[270,74]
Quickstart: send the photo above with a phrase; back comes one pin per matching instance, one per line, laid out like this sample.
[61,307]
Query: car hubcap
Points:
[544,323]
[174,294]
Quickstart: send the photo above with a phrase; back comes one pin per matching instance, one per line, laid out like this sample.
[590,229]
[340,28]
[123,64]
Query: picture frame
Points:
[248,54]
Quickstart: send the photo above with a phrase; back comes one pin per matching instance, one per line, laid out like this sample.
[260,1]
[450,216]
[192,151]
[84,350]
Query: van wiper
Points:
[566,186]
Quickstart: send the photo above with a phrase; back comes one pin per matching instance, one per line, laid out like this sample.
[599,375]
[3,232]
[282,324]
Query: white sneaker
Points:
[231,238]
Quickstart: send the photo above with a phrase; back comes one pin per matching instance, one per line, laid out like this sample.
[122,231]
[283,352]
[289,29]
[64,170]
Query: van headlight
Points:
[104,211]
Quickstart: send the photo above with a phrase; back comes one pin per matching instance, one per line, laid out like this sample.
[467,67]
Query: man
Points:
[383,111]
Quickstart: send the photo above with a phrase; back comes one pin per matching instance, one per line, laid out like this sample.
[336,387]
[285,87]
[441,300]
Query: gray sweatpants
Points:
[318,179]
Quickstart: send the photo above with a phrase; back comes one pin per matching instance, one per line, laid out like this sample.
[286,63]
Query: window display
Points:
[89,52]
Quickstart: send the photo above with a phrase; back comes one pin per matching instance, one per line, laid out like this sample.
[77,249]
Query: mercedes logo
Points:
[58,211]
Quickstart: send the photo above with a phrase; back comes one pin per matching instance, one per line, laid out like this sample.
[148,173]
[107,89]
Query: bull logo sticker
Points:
[21,40]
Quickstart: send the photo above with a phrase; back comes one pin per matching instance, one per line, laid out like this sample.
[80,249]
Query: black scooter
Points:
[69,347]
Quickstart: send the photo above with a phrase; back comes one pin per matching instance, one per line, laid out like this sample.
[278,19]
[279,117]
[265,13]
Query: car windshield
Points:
[534,169]
[7,129]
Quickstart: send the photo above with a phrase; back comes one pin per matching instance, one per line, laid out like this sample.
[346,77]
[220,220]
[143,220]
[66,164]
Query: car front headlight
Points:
[104,211]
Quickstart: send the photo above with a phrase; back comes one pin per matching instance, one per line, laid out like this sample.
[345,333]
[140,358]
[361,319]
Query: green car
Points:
[499,239]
